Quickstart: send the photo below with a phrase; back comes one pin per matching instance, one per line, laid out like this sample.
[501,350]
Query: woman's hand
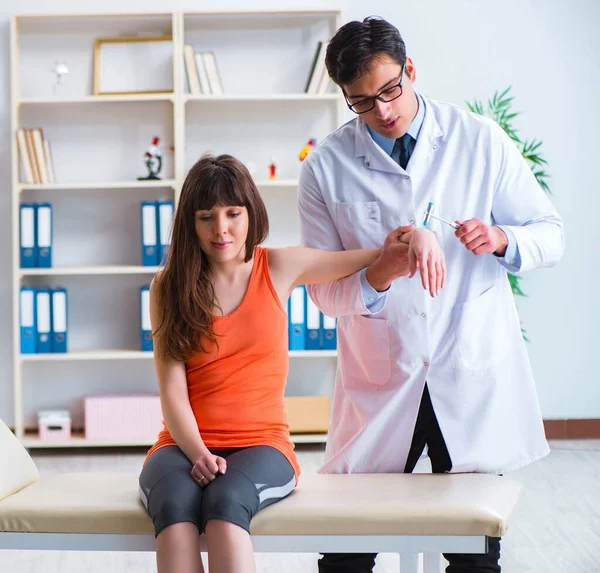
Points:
[426,256]
[207,467]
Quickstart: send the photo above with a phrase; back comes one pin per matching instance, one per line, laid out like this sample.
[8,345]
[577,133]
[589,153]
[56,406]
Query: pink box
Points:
[54,425]
[122,417]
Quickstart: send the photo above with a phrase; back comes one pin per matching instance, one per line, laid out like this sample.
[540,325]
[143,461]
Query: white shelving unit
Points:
[98,142]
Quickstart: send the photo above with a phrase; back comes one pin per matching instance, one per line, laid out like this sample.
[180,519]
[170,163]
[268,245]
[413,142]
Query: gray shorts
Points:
[255,478]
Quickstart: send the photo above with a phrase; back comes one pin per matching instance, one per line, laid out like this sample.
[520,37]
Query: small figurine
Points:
[272,170]
[153,160]
[60,69]
[307,149]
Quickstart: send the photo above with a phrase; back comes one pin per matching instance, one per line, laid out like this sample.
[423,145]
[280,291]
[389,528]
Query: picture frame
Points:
[131,65]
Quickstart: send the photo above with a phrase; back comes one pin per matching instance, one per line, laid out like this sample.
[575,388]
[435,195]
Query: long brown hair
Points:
[185,294]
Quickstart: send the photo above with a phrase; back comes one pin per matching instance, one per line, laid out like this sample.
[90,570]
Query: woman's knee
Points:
[178,531]
[234,500]
[169,511]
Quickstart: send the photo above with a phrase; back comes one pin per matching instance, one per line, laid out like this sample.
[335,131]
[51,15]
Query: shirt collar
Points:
[414,128]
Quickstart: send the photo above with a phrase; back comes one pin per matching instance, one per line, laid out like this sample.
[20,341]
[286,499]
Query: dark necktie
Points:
[403,149]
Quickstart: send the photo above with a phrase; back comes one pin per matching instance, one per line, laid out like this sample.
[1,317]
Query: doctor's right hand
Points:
[207,468]
[393,262]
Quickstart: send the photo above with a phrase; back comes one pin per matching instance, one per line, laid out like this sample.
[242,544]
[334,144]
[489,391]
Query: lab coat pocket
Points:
[359,224]
[366,350]
[481,331]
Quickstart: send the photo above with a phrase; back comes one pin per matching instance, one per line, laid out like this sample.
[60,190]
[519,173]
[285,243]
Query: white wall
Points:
[462,49]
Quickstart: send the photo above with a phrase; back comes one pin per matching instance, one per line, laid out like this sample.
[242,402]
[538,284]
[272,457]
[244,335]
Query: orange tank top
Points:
[236,392]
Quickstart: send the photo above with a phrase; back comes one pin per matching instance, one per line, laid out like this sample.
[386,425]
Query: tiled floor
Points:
[556,528]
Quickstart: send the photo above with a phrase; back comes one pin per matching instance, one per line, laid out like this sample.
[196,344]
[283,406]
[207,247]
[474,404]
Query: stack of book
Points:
[318,81]
[308,327]
[43,320]
[157,222]
[201,72]
[36,158]
[35,235]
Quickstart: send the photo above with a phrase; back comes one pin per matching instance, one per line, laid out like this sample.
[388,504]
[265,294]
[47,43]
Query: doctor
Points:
[449,372]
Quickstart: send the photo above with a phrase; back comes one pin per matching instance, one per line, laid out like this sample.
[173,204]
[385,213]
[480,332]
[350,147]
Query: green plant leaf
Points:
[535,159]
[531,146]
[505,92]
[514,285]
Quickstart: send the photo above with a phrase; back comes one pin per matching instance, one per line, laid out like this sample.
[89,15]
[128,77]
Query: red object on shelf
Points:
[272,170]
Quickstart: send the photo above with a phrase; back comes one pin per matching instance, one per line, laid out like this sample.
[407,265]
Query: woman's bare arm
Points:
[174,398]
[294,266]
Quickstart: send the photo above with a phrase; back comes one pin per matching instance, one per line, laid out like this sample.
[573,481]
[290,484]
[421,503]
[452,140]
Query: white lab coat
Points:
[467,342]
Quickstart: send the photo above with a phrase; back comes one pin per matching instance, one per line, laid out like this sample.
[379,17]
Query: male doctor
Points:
[451,371]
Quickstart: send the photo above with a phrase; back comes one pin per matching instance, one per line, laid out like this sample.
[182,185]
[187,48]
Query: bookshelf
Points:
[97,147]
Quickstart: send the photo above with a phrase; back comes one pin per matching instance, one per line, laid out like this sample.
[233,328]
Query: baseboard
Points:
[572,429]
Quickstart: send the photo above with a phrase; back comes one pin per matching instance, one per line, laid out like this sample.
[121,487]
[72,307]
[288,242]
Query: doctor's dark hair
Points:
[351,51]
[184,292]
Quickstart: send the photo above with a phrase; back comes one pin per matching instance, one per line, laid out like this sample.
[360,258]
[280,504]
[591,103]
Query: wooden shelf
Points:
[134,98]
[79,441]
[90,270]
[261,97]
[100,185]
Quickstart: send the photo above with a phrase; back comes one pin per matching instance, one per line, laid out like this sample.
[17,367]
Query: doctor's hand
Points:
[426,256]
[480,238]
[207,468]
[393,261]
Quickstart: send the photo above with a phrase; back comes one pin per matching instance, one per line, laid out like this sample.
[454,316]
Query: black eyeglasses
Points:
[388,94]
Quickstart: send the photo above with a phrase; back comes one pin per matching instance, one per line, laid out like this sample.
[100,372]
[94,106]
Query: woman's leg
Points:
[173,500]
[255,478]
[178,549]
[229,548]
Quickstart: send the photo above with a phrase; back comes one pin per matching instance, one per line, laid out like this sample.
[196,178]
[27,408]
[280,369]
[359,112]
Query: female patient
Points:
[220,331]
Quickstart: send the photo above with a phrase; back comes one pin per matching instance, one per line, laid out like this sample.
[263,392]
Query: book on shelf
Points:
[318,81]
[35,235]
[191,73]
[49,162]
[308,327]
[36,156]
[43,320]
[214,79]
[201,72]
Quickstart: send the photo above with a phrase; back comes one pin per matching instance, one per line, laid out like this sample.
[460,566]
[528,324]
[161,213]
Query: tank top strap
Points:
[261,285]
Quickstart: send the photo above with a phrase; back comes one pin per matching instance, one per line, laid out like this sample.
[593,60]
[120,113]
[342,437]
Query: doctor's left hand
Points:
[480,238]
